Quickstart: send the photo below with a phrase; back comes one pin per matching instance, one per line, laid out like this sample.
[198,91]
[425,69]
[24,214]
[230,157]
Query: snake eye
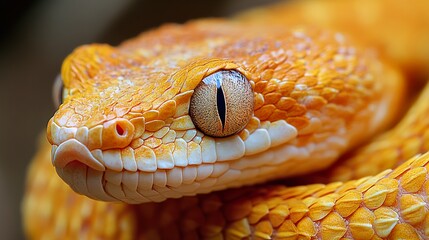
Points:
[222,104]
[58,91]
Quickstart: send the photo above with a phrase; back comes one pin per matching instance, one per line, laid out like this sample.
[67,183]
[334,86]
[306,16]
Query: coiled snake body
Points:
[215,104]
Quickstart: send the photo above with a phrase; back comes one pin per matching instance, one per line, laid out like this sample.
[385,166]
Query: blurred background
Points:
[35,37]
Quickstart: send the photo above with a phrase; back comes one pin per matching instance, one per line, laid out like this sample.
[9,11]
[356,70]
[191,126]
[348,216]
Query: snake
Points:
[187,130]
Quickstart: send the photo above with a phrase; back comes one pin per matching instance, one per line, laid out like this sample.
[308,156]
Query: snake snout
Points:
[86,146]
[116,133]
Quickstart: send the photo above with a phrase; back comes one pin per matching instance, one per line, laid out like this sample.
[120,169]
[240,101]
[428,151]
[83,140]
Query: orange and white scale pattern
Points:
[318,93]
[124,131]
[390,205]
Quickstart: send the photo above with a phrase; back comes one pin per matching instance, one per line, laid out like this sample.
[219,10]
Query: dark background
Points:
[35,37]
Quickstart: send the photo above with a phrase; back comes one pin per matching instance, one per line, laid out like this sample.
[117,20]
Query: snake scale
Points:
[214,106]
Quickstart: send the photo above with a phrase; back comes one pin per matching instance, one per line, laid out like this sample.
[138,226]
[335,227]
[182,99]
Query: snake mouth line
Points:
[144,174]
[127,175]
[134,187]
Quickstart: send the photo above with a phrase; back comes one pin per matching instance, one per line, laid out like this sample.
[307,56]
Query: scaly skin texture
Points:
[315,80]
[397,29]
[315,95]
[396,146]
[389,205]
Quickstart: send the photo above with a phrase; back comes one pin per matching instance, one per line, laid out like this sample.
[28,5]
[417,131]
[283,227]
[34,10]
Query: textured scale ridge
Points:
[408,138]
[325,85]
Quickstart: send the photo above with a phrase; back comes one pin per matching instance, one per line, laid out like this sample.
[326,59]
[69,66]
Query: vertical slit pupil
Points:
[220,99]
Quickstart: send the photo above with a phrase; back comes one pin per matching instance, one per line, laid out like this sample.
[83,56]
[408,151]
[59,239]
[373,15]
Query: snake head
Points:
[194,108]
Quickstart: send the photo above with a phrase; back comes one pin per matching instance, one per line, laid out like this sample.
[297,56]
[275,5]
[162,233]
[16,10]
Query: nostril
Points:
[120,130]
[117,133]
